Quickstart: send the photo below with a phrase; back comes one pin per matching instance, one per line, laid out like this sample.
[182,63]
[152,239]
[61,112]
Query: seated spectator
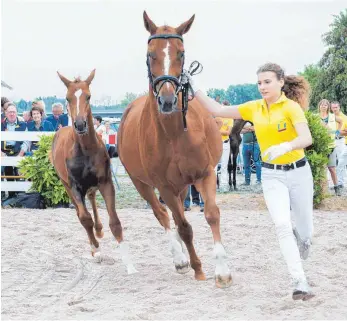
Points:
[26,116]
[57,111]
[13,148]
[65,119]
[4,105]
[41,104]
[38,125]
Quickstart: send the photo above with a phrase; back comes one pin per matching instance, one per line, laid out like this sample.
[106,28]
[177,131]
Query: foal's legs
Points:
[85,218]
[185,230]
[108,193]
[97,222]
[179,258]
[207,188]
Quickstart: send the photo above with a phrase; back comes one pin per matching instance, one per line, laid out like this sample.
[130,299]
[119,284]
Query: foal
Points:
[83,165]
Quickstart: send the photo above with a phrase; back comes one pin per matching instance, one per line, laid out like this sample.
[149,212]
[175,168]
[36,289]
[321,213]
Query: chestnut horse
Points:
[83,165]
[157,151]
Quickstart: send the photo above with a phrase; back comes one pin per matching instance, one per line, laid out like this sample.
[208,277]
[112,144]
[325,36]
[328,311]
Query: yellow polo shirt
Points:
[275,126]
[227,122]
[344,126]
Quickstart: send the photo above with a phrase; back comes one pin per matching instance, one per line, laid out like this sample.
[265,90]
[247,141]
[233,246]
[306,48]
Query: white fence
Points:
[16,186]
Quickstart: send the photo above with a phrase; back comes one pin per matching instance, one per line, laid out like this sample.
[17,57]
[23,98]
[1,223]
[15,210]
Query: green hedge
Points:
[42,174]
[317,155]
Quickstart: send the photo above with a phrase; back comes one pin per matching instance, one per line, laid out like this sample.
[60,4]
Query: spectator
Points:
[225,130]
[13,148]
[333,124]
[41,104]
[196,199]
[4,105]
[65,119]
[250,149]
[98,126]
[111,148]
[38,125]
[341,144]
[26,116]
[57,111]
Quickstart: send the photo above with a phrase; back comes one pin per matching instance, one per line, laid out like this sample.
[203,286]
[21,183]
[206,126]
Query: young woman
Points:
[333,123]
[282,131]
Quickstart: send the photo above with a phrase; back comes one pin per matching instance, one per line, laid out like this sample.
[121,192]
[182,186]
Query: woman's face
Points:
[36,116]
[269,86]
[324,107]
[107,126]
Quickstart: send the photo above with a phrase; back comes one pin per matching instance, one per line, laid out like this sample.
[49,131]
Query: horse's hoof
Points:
[131,269]
[223,281]
[200,276]
[182,268]
[97,257]
[99,234]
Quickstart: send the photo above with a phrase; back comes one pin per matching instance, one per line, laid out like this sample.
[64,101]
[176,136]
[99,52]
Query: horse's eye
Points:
[180,54]
[88,97]
[152,55]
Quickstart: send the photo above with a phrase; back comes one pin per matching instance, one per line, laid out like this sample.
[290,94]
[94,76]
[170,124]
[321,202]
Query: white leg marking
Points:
[124,251]
[96,253]
[220,256]
[179,257]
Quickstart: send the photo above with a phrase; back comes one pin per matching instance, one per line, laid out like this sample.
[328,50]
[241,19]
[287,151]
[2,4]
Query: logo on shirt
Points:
[281,126]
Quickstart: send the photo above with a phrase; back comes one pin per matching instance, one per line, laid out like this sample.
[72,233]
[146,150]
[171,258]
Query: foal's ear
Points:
[90,77]
[149,24]
[185,26]
[64,80]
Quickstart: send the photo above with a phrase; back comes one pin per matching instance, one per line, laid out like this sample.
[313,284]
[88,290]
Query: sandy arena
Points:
[49,274]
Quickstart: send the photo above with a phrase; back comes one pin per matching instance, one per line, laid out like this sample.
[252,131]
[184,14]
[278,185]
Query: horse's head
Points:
[165,61]
[78,98]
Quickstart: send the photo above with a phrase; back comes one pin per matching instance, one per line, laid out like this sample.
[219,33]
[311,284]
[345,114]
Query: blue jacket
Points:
[46,126]
[64,120]
[20,127]
[55,122]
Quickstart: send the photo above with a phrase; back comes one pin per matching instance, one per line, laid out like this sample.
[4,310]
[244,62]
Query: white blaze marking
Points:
[78,94]
[166,61]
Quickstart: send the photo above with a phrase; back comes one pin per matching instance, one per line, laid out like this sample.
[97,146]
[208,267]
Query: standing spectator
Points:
[225,129]
[4,105]
[333,124]
[57,111]
[341,144]
[250,149]
[38,125]
[111,148]
[13,148]
[98,126]
[196,199]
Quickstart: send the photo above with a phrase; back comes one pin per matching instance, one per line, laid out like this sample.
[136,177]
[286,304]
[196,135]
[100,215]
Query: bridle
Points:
[195,68]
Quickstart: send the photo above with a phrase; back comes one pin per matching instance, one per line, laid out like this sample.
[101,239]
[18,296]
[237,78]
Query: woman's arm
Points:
[304,138]
[215,108]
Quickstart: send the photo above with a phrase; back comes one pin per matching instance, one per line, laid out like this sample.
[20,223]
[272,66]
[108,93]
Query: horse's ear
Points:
[64,80]
[149,24]
[185,26]
[90,77]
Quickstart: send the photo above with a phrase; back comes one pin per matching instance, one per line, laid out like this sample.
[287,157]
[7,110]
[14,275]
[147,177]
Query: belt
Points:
[226,141]
[286,167]
[340,137]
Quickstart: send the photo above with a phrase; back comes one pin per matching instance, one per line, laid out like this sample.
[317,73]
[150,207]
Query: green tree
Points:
[332,80]
[129,97]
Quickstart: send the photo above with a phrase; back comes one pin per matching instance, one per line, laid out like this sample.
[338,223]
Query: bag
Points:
[26,200]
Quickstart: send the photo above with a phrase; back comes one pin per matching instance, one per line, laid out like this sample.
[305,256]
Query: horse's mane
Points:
[77,79]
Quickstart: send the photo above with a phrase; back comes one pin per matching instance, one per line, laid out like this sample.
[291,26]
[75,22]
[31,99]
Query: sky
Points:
[230,38]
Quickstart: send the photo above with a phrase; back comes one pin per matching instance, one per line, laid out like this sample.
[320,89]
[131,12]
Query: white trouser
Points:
[224,181]
[341,151]
[284,190]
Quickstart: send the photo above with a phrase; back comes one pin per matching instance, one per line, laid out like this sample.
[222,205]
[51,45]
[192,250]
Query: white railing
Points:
[16,186]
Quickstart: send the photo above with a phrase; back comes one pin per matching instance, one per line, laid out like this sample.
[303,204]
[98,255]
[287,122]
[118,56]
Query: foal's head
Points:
[78,97]
[165,60]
